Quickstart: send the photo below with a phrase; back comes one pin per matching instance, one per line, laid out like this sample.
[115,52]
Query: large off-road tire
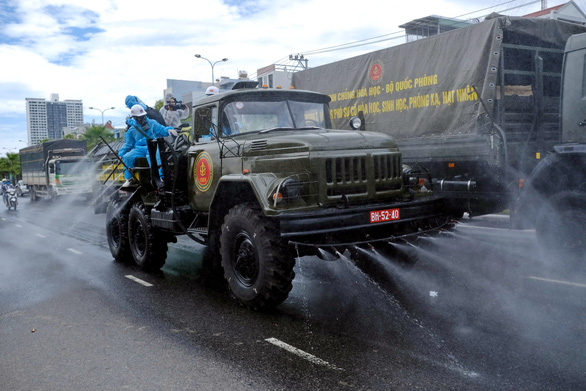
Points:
[117,231]
[148,245]
[258,264]
[561,224]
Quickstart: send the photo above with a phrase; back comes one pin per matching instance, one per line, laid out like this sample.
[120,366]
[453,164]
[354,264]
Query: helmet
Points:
[212,90]
[168,96]
[137,111]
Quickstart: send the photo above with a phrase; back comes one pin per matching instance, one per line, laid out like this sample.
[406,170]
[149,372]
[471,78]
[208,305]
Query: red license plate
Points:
[379,216]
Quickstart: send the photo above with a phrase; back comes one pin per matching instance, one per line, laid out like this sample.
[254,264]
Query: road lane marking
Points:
[557,281]
[74,251]
[18,225]
[307,356]
[41,236]
[141,282]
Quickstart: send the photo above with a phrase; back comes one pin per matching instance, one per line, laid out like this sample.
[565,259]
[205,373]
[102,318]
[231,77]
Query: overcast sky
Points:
[99,51]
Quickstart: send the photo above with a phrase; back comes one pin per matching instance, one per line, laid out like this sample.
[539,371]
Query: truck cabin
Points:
[70,167]
[258,111]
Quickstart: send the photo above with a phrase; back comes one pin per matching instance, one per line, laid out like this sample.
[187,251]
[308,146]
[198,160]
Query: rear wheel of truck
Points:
[33,194]
[258,264]
[148,246]
[117,231]
[561,224]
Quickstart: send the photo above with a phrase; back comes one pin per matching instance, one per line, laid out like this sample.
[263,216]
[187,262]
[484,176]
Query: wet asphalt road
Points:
[483,309]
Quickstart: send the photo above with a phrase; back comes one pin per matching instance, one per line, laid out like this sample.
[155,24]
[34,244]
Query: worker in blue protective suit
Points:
[151,113]
[135,139]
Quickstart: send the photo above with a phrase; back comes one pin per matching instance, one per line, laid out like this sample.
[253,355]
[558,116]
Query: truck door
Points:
[205,164]
[51,174]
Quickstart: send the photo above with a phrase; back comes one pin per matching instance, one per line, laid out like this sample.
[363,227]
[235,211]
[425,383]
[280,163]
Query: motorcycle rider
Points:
[3,189]
[135,138]
[6,185]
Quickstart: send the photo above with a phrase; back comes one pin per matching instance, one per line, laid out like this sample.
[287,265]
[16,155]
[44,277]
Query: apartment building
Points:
[47,119]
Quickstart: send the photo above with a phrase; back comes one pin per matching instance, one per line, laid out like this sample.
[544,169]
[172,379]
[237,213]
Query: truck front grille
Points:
[343,170]
[350,175]
[387,167]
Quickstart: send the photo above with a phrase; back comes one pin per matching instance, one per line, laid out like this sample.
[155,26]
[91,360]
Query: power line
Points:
[395,35]
[373,40]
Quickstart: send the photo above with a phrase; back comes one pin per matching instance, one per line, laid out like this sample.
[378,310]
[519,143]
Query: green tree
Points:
[10,166]
[93,133]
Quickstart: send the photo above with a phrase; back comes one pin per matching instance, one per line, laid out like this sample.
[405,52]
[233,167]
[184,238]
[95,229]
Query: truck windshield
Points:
[243,116]
[74,167]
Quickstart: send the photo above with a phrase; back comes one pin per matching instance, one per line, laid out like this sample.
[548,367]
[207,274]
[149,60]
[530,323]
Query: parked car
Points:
[21,188]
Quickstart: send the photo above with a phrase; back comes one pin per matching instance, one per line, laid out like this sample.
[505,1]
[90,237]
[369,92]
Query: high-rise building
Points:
[46,119]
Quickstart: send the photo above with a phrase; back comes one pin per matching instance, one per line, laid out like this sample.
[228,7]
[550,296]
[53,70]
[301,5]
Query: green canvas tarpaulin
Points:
[436,86]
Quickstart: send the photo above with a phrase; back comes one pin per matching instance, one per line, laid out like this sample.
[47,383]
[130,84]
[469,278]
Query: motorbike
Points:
[11,198]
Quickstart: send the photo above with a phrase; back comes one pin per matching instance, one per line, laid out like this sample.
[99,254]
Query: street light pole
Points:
[211,64]
[101,111]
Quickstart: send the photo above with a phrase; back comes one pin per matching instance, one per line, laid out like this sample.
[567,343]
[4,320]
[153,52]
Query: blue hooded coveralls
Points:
[135,143]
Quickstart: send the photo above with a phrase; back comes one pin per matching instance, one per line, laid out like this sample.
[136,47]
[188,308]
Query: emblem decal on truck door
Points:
[203,171]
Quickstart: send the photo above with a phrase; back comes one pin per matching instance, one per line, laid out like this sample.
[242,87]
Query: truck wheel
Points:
[33,194]
[117,231]
[258,264]
[561,223]
[148,247]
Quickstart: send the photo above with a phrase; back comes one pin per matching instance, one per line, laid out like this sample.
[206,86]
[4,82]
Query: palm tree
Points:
[10,166]
[93,133]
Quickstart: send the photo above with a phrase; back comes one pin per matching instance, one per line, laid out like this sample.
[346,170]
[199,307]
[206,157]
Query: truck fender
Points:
[233,190]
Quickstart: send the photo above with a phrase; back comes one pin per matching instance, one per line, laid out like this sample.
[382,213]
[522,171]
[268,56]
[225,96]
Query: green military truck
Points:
[495,111]
[264,181]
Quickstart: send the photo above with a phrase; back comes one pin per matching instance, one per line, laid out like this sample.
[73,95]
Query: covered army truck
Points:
[264,180]
[483,108]
[56,168]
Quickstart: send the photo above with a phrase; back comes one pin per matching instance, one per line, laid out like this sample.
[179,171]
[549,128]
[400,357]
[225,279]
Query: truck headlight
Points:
[290,190]
[417,178]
